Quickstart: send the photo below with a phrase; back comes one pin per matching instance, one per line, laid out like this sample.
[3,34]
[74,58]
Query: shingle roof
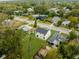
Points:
[42,31]
[56,38]
[66,22]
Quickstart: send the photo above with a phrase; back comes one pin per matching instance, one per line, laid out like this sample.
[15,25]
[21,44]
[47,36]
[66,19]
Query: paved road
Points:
[42,25]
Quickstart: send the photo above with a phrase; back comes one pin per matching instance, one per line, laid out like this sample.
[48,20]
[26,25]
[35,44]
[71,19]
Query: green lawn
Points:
[34,44]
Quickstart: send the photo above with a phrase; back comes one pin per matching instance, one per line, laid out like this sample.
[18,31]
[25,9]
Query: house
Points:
[18,12]
[35,16]
[78,26]
[43,33]
[29,10]
[55,20]
[7,23]
[65,23]
[25,27]
[56,39]
[66,9]
[53,10]
[40,17]
[42,52]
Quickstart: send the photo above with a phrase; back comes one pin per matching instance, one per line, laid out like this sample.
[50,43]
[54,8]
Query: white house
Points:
[56,19]
[7,23]
[36,15]
[78,26]
[66,10]
[43,33]
[65,23]
[18,12]
[53,10]
[30,9]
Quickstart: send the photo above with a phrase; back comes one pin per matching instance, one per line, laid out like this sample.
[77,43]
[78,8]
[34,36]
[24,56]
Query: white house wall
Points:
[41,36]
[48,35]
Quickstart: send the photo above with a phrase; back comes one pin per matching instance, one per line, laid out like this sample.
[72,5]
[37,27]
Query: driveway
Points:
[42,25]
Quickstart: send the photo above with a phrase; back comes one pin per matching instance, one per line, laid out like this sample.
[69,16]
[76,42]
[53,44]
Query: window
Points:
[37,35]
[43,37]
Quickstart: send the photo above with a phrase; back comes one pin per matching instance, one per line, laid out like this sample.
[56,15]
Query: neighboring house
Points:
[40,17]
[25,27]
[42,53]
[43,33]
[78,26]
[56,39]
[29,10]
[66,10]
[35,16]
[18,12]
[55,20]
[7,23]
[65,23]
[53,10]
[21,19]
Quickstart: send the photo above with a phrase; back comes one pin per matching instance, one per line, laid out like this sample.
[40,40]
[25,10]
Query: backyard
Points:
[31,45]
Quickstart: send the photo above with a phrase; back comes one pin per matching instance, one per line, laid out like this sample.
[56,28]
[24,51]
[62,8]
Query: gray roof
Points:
[77,25]
[37,57]
[57,37]
[42,31]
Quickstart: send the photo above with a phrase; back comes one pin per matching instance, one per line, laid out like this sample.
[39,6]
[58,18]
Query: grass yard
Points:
[34,44]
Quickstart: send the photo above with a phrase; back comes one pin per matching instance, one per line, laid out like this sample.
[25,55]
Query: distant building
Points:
[35,16]
[43,33]
[78,26]
[55,19]
[40,17]
[66,9]
[30,10]
[18,12]
[25,27]
[65,23]
[7,23]
[53,10]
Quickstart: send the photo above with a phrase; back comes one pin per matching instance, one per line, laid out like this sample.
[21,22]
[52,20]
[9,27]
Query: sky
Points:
[6,0]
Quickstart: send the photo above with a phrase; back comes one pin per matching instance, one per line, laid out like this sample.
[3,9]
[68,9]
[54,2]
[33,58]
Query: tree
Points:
[11,43]
[72,35]
[59,23]
[74,21]
[68,50]
[42,9]
[60,13]
[35,24]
